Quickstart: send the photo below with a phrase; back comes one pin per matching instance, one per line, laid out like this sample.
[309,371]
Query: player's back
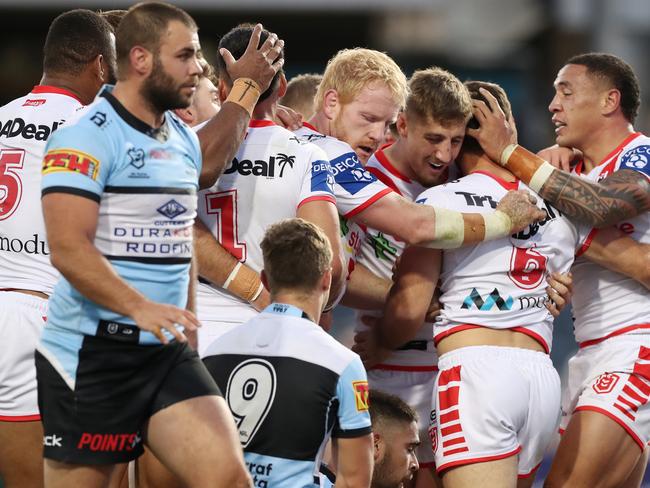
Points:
[271,176]
[502,283]
[289,385]
[25,126]
[606,303]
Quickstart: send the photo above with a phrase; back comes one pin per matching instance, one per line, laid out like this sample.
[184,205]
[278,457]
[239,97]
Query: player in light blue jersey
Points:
[289,385]
[119,199]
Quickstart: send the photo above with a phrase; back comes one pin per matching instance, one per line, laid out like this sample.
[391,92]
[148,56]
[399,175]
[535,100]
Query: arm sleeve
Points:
[77,160]
[352,390]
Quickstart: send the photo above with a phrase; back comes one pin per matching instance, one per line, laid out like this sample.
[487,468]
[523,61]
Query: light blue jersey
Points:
[145,181]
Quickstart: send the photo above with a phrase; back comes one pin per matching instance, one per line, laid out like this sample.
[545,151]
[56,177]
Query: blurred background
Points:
[519,44]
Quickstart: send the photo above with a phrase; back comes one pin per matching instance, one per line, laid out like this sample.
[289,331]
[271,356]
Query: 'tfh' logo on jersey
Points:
[494,298]
[259,167]
[361,392]
[636,158]
[474,200]
[70,160]
[17,127]
[171,209]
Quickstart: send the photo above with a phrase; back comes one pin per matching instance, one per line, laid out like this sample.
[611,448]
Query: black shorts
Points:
[117,387]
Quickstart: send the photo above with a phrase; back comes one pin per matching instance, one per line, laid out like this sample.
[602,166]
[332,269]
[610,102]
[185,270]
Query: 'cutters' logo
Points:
[171,209]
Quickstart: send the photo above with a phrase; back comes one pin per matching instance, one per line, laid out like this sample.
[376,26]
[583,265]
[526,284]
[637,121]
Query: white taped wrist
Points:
[497,225]
[449,229]
[232,276]
[257,293]
[541,175]
[507,152]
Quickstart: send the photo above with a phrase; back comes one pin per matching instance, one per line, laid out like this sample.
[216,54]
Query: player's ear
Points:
[141,60]
[265,281]
[379,446]
[401,124]
[223,89]
[331,104]
[611,101]
[282,87]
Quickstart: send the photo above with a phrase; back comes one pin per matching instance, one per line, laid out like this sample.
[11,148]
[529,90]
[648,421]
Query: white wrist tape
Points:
[497,225]
[232,276]
[507,152]
[540,176]
[449,229]
[257,293]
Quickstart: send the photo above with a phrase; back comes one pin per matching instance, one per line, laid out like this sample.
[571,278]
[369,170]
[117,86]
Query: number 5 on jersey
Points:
[11,188]
[250,394]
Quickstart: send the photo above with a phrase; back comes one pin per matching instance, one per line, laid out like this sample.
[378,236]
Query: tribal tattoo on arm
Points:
[622,195]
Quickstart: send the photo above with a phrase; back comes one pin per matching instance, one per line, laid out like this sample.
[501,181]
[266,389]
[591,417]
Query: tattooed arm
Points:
[622,195]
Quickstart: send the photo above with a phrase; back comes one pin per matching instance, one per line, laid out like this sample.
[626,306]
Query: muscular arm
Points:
[622,195]
[442,229]
[73,253]
[366,290]
[354,462]
[409,297]
[323,214]
[615,251]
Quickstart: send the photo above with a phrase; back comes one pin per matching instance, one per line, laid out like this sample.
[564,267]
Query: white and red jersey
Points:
[500,284]
[606,303]
[272,175]
[355,189]
[25,125]
[378,253]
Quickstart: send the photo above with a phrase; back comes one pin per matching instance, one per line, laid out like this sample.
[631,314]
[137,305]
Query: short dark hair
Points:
[436,94]
[74,39]
[236,40]
[113,17]
[143,25]
[386,408]
[470,144]
[618,74]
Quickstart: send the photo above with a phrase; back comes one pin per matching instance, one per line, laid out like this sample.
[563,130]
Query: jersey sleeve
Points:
[77,160]
[637,159]
[318,181]
[355,188]
[352,391]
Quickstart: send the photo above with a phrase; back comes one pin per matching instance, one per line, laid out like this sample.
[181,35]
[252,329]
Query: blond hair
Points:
[351,70]
[296,255]
[300,94]
[436,94]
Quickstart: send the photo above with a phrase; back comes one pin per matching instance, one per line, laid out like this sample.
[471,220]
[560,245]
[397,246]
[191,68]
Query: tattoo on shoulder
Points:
[622,195]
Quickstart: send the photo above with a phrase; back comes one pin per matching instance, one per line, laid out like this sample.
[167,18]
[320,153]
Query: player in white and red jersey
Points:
[431,129]
[273,176]
[494,330]
[595,104]
[358,97]
[26,275]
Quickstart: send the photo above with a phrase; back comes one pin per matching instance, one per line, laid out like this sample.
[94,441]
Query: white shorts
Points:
[492,403]
[612,378]
[22,318]
[416,389]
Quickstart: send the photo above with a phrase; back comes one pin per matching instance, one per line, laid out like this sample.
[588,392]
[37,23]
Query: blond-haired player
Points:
[300,94]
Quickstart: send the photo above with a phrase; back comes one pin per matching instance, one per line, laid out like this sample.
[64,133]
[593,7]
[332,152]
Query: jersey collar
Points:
[286,309]
[55,89]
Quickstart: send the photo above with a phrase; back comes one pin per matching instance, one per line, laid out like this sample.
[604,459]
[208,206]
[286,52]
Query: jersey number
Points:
[11,188]
[527,267]
[250,394]
[224,203]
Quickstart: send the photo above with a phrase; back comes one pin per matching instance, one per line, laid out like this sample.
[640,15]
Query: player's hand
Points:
[262,301]
[434,307]
[496,131]
[366,346]
[288,118]
[154,317]
[559,291]
[259,64]
[561,157]
[519,205]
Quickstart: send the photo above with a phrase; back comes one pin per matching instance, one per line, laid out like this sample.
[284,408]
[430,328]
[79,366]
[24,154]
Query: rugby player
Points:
[595,104]
[288,383]
[113,368]
[493,329]
[300,94]
[78,57]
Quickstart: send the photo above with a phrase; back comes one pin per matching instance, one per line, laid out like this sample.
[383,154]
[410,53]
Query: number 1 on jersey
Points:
[224,204]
